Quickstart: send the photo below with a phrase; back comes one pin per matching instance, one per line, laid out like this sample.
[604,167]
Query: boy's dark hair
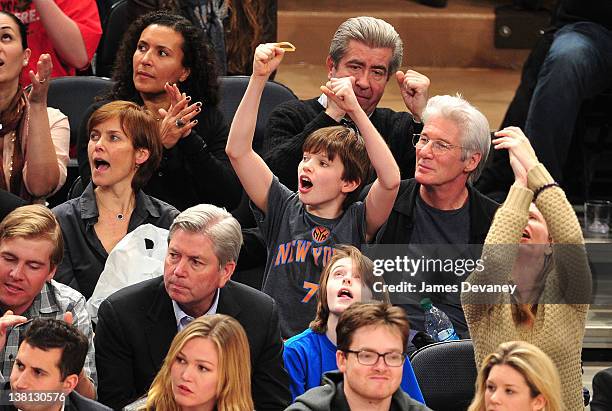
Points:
[348,145]
[360,315]
[47,333]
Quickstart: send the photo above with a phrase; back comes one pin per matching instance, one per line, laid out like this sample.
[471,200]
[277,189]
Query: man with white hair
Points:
[439,206]
[137,324]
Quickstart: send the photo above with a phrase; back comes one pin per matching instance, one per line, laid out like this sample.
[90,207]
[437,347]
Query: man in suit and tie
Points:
[136,325]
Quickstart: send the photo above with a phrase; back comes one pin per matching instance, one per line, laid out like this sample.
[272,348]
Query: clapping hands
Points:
[178,119]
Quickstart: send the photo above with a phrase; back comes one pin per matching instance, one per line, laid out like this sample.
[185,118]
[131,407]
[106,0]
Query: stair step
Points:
[598,332]
[459,35]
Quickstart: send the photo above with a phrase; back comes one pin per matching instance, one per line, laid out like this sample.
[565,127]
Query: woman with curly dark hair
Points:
[165,65]
[235,27]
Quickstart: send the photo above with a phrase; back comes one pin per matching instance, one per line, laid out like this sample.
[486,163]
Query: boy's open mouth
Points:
[305,183]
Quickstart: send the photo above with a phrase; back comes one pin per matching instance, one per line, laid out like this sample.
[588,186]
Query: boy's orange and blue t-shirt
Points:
[299,245]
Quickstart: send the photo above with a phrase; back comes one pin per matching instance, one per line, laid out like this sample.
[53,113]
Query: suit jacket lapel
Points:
[69,405]
[161,325]
[227,303]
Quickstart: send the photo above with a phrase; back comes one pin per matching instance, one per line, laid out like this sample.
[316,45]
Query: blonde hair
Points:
[362,265]
[532,363]
[34,222]
[234,384]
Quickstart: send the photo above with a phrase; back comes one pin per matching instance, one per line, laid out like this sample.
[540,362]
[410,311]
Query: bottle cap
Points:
[426,303]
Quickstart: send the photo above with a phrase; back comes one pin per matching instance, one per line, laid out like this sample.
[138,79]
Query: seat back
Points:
[113,29]
[76,189]
[73,96]
[232,89]
[446,372]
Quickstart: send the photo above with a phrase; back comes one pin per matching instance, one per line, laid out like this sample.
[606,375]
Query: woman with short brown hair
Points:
[124,150]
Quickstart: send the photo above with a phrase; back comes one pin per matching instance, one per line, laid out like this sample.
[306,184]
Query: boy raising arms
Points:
[300,229]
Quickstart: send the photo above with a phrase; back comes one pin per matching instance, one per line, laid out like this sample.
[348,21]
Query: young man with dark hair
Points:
[46,370]
[371,340]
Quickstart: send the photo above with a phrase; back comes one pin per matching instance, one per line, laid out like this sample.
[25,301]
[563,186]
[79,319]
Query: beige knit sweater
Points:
[558,328]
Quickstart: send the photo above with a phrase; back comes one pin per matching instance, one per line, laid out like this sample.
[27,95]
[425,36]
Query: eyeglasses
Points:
[437,146]
[367,357]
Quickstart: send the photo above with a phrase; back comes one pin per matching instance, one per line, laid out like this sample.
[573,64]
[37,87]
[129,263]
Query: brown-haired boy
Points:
[301,228]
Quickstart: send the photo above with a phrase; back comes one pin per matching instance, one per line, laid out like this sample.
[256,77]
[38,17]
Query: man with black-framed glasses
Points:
[439,212]
[370,358]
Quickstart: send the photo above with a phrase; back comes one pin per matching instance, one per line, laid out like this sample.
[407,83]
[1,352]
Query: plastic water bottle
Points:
[437,323]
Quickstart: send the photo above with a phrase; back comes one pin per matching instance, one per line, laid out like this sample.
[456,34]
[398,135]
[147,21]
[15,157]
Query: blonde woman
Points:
[518,376]
[207,368]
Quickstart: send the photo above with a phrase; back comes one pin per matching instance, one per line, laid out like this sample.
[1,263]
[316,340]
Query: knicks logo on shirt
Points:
[320,234]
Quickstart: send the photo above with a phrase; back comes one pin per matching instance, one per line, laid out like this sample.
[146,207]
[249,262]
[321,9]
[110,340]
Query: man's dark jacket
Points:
[398,228]
[137,324]
[330,397]
[294,120]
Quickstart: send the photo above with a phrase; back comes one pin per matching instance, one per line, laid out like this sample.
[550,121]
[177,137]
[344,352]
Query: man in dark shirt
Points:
[439,208]
[370,50]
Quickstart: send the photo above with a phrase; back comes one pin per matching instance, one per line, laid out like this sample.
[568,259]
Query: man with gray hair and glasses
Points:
[136,325]
[439,207]
[366,52]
